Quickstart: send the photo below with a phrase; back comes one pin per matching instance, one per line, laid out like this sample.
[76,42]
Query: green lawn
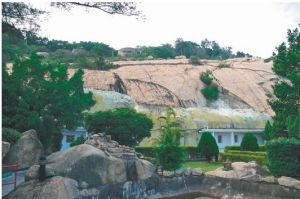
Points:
[205,166]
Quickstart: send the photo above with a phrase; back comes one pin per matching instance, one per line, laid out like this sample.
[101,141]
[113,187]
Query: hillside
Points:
[245,84]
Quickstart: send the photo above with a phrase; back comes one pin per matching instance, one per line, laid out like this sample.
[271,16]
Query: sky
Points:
[252,27]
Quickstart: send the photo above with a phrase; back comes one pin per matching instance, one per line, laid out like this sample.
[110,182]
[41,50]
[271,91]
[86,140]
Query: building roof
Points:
[235,130]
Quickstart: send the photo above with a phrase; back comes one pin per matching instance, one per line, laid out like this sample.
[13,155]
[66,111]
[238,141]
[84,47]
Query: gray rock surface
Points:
[54,188]
[26,151]
[5,148]
[33,172]
[144,169]
[289,182]
[240,170]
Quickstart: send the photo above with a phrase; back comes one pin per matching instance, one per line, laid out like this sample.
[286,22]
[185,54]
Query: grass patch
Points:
[205,166]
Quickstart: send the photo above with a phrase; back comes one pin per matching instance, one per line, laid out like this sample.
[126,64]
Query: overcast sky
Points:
[256,28]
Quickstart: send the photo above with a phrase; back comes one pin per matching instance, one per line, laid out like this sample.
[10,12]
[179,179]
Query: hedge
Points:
[284,157]
[237,147]
[256,153]
[149,151]
[235,157]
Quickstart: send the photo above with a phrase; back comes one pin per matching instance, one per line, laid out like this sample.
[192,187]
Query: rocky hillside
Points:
[245,84]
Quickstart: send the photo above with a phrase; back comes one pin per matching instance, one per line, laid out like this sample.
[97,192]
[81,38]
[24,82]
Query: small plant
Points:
[78,141]
[194,60]
[249,143]
[223,65]
[208,146]
[206,78]
[210,93]
[10,135]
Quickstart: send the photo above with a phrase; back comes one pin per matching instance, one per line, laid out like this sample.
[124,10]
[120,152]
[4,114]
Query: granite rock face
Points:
[26,151]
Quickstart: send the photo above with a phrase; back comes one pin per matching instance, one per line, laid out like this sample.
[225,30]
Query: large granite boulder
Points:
[89,164]
[26,151]
[289,182]
[53,188]
[5,148]
[241,170]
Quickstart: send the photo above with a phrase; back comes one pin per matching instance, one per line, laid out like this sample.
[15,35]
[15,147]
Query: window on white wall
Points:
[219,138]
[236,138]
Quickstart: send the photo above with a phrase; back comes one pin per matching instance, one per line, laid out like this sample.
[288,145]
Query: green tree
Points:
[210,92]
[168,153]
[208,146]
[286,105]
[124,125]
[77,141]
[268,131]
[42,97]
[249,143]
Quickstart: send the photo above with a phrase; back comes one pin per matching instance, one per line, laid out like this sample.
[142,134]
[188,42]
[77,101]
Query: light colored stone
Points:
[270,179]
[5,148]
[33,172]
[187,171]
[144,169]
[289,182]
[53,188]
[84,185]
[168,173]
[26,151]
[178,172]
[197,172]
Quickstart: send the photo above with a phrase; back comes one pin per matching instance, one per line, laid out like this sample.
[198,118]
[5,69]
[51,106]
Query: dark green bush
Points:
[249,143]
[236,147]
[223,65]
[206,78]
[207,146]
[210,93]
[10,135]
[78,141]
[170,156]
[284,156]
[194,60]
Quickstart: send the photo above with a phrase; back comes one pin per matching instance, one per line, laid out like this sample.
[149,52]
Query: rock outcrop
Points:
[26,151]
[53,188]
[241,170]
[289,182]
[5,148]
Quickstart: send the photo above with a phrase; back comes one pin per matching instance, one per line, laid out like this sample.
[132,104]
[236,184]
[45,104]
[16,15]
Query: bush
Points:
[206,78]
[245,157]
[223,65]
[210,93]
[194,60]
[170,156]
[284,157]
[236,147]
[208,146]
[78,141]
[249,143]
[10,135]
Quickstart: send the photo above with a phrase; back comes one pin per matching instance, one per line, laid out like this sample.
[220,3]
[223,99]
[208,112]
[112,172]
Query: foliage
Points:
[286,104]
[150,151]
[284,156]
[42,97]
[268,131]
[206,78]
[249,143]
[210,93]
[244,157]
[124,125]
[205,166]
[10,135]
[169,154]
[78,141]
[165,51]
[238,148]
[208,146]
[223,65]
[194,60]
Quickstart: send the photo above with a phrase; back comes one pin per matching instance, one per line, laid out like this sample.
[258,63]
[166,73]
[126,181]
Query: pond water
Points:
[195,195]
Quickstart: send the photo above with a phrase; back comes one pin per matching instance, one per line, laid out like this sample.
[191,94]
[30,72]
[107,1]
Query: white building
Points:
[233,136]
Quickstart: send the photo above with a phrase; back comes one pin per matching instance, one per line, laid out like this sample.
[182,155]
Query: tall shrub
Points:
[206,78]
[284,156]
[249,143]
[208,146]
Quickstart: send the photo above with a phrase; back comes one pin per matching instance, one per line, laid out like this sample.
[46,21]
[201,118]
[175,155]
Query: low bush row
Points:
[236,147]
[244,157]
[256,153]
